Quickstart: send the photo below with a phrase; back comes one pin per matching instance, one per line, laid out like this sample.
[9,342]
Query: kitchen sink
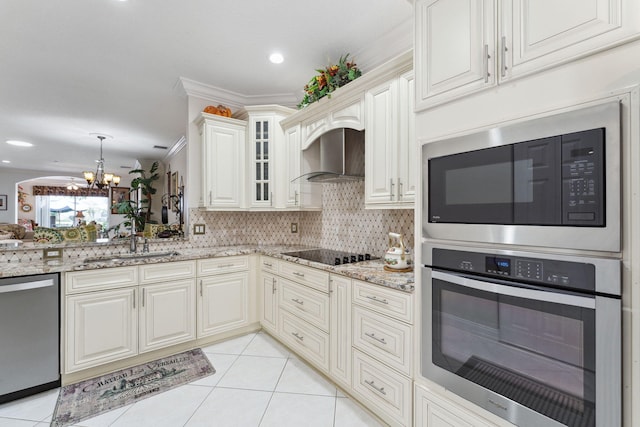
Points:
[134,256]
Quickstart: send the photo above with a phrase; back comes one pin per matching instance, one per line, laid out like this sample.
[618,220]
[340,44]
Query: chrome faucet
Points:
[133,242]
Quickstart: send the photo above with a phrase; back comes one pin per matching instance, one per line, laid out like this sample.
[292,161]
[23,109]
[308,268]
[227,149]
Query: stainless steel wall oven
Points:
[533,338]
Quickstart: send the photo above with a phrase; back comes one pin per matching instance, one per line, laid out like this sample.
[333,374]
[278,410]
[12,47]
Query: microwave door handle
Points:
[514,291]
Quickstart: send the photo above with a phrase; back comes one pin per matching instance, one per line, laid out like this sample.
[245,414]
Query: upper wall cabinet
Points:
[223,162]
[267,157]
[390,149]
[463,46]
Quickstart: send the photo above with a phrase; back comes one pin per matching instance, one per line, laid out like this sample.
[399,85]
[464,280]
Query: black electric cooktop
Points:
[330,257]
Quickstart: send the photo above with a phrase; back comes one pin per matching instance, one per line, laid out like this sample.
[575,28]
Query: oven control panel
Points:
[544,271]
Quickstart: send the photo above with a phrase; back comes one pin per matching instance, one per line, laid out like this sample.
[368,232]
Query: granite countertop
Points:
[369,271]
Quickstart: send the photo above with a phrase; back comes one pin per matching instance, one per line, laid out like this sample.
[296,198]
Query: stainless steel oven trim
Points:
[488,286]
[608,375]
[608,270]
[588,238]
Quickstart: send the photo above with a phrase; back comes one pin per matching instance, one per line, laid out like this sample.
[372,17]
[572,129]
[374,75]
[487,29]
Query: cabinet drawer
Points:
[306,303]
[269,264]
[387,393]
[222,265]
[163,272]
[99,279]
[392,303]
[383,338]
[311,277]
[310,342]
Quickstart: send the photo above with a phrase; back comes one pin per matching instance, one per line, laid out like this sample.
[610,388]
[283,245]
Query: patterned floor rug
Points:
[92,397]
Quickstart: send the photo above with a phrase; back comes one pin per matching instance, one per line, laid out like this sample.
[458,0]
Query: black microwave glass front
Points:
[558,180]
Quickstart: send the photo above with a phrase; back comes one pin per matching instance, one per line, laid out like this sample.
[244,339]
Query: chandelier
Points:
[101,179]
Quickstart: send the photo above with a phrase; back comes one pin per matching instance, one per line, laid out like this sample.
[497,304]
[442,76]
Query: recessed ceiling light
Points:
[276,58]
[19,143]
[6,161]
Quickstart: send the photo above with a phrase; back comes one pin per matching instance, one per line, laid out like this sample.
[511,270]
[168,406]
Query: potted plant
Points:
[140,212]
[329,79]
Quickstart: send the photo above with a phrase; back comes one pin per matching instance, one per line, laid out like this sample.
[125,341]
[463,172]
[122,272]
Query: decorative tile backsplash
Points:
[343,224]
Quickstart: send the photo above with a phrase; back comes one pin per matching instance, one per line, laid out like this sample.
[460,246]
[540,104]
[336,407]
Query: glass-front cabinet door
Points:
[262,193]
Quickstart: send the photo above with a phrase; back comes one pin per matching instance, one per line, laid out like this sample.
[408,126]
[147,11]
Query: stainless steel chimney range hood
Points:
[341,157]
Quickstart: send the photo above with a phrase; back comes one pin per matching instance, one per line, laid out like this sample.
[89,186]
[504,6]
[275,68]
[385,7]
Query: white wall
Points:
[599,76]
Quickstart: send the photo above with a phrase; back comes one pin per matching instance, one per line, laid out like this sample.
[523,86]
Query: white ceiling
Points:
[69,68]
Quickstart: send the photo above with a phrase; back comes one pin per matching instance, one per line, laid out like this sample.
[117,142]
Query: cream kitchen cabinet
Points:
[167,314]
[300,194]
[223,162]
[100,327]
[382,338]
[464,46]
[112,316]
[267,156]
[303,312]
[340,330]
[390,146]
[224,298]
[268,294]
[433,410]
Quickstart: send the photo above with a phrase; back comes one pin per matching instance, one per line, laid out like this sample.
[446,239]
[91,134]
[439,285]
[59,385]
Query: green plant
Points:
[140,212]
[329,80]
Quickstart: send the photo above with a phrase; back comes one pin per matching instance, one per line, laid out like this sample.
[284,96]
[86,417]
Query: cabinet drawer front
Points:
[392,303]
[388,394]
[269,264]
[311,277]
[99,279]
[308,304]
[303,338]
[383,338]
[222,265]
[167,271]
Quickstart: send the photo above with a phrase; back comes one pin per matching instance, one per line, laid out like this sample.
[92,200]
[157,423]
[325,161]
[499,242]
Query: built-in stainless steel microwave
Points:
[552,181]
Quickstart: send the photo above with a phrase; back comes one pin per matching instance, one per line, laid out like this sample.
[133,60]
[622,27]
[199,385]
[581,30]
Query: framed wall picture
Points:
[3,202]
[119,195]
[174,188]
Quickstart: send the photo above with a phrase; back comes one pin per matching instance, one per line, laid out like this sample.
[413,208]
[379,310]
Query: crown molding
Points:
[386,47]
[176,147]
[233,99]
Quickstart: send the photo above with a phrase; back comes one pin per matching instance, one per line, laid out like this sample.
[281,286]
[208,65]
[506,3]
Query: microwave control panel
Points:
[583,178]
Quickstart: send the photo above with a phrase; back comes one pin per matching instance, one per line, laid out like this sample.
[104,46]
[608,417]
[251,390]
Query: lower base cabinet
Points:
[307,340]
[92,341]
[433,410]
[382,390]
[223,303]
[167,314]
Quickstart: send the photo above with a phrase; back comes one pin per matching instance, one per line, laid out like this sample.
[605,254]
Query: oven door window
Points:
[537,353]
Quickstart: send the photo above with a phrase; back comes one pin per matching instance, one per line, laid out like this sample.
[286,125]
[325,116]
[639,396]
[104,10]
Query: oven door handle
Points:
[514,291]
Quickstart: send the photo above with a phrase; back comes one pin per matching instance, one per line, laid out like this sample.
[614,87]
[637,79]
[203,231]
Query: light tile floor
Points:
[258,382]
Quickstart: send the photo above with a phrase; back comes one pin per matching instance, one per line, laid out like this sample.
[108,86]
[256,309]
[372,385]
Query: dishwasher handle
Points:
[17,287]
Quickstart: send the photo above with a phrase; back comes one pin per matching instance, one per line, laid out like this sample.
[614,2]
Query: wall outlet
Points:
[294,227]
[52,254]
[198,229]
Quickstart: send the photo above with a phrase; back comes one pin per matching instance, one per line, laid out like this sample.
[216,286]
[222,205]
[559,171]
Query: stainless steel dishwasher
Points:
[29,335]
